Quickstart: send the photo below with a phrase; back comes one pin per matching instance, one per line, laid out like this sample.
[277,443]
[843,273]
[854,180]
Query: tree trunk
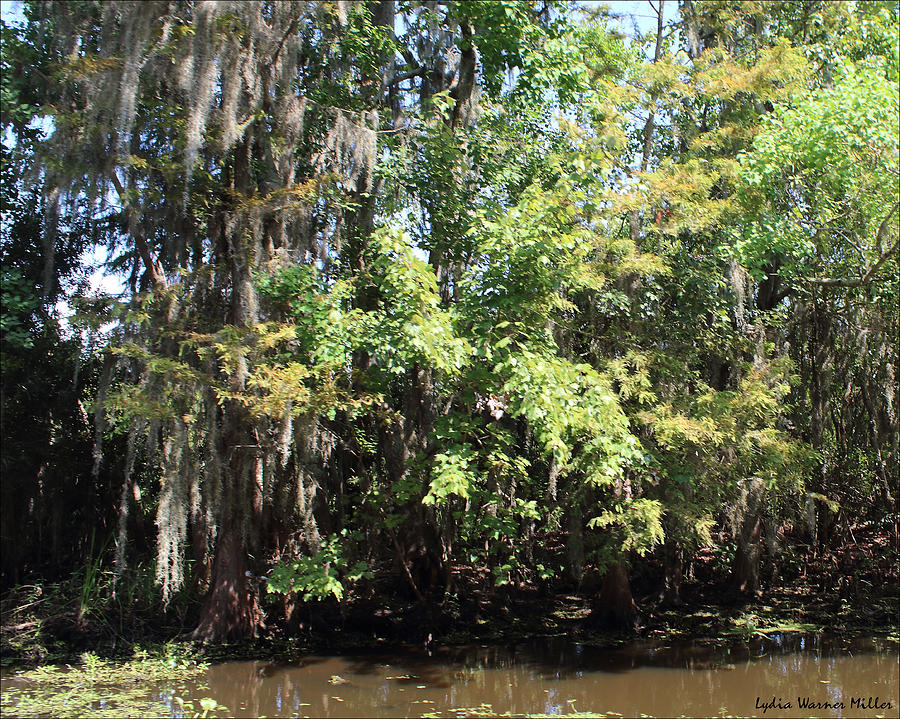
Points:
[745,573]
[746,559]
[575,540]
[673,558]
[634,220]
[231,611]
[418,541]
[615,606]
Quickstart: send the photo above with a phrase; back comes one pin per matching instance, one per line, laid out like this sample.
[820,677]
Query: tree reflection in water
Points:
[557,676]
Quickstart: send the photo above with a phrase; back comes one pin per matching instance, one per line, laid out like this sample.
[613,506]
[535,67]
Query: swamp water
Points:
[762,677]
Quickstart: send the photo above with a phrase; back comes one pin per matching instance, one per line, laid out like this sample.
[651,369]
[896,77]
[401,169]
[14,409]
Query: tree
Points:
[225,139]
[51,500]
[423,283]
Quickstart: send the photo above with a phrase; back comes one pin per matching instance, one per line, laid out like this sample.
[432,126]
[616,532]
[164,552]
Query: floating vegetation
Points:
[99,687]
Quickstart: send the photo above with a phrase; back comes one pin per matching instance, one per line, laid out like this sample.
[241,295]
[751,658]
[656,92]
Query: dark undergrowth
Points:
[852,589]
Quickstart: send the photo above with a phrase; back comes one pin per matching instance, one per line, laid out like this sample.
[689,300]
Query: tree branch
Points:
[872,270]
[397,79]
[883,227]
[462,93]
[291,29]
[634,222]
[154,268]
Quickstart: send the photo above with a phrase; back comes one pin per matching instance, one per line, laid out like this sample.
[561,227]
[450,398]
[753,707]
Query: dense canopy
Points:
[410,289]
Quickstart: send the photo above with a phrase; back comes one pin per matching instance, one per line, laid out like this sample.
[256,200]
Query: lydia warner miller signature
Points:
[864,703]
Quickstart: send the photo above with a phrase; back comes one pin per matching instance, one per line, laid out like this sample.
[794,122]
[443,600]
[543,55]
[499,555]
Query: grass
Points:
[92,580]
[54,622]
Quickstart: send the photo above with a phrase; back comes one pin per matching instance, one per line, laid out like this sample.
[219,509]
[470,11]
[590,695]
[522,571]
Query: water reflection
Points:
[557,677]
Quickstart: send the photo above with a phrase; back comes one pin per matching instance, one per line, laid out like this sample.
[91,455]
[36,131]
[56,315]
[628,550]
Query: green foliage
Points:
[207,705]
[317,577]
[863,41]
[822,177]
[638,522]
[443,275]
[18,303]
[20,91]
[451,475]
[570,405]
[733,433]
[409,326]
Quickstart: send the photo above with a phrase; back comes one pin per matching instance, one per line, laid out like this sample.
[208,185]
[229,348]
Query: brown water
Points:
[560,677]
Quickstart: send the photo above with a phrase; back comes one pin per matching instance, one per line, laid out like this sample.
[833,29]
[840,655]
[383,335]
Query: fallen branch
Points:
[20,627]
